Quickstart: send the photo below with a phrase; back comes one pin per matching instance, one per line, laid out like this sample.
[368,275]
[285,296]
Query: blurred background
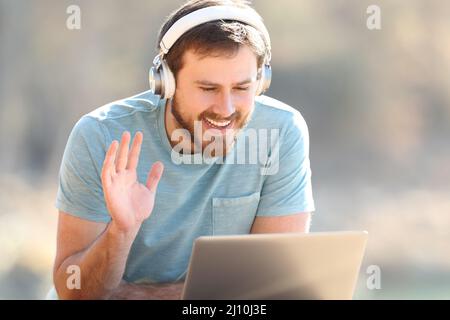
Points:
[377,103]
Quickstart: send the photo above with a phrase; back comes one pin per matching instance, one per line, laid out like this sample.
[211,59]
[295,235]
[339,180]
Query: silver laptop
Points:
[275,266]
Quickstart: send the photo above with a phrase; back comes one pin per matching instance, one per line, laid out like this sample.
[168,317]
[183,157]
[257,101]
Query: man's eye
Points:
[207,89]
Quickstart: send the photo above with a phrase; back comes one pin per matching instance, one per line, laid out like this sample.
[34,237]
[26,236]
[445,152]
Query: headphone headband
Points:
[213,13]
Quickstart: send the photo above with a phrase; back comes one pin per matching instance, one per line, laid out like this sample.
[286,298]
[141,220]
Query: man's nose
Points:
[225,106]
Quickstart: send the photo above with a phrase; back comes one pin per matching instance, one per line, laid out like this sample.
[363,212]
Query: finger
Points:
[122,156]
[154,176]
[135,150]
[108,164]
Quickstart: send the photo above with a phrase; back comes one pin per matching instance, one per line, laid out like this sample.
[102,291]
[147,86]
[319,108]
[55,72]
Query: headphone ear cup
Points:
[265,79]
[259,89]
[168,81]
[154,78]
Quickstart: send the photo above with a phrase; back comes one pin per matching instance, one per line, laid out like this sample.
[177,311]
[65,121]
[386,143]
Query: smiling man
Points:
[129,213]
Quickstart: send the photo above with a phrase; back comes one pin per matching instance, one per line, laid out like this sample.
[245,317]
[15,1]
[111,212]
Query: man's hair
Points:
[215,38]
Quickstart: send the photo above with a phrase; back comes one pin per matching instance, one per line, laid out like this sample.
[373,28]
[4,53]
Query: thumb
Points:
[154,176]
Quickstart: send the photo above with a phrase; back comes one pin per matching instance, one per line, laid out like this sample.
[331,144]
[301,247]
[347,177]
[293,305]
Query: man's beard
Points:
[239,120]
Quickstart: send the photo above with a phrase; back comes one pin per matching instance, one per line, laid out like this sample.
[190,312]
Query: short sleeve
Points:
[287,187]
[80,191]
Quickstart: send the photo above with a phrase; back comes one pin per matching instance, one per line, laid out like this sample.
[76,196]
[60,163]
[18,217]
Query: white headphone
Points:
[161,78]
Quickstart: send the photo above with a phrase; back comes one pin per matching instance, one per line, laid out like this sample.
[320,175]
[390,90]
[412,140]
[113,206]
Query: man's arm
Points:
[100,250]
[100,253]
[159,291]
[298,222]
[97,249]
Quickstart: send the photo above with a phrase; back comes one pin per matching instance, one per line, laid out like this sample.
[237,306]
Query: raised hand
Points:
[128,201]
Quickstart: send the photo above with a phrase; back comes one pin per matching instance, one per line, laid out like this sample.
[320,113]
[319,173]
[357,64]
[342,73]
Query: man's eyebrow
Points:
[213,84]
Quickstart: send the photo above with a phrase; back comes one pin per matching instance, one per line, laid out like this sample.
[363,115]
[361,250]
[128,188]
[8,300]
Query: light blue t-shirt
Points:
[218,198]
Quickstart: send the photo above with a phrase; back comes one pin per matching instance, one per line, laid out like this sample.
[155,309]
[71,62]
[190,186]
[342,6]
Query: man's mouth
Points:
[219,125]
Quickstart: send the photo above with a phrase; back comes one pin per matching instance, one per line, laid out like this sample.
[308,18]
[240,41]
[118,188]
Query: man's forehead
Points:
[240,68]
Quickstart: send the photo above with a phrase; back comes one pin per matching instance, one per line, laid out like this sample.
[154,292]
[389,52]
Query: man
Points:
[128,215]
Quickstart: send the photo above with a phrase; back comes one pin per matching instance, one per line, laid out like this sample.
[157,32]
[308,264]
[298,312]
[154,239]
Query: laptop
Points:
[323,265]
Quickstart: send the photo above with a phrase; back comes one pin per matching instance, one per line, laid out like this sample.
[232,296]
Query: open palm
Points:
[128,201]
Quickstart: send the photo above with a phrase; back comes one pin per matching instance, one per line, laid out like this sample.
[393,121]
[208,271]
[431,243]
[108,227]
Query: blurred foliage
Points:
[377,104]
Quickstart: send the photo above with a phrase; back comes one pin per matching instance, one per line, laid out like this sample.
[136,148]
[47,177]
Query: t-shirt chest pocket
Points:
[234,215]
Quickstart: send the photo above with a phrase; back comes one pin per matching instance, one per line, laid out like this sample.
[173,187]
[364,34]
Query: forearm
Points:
[101,266]
[131,291]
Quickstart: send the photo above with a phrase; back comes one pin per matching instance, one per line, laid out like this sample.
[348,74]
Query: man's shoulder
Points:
[270,112]
[119,113]
[144,102]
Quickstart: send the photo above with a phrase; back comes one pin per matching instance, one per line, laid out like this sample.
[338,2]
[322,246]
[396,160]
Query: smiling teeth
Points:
[218,123]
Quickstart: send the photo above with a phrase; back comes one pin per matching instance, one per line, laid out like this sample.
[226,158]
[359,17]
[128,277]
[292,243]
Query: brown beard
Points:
[240,121]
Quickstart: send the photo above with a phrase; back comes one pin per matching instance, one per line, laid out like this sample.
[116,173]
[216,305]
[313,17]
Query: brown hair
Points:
[215,38]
